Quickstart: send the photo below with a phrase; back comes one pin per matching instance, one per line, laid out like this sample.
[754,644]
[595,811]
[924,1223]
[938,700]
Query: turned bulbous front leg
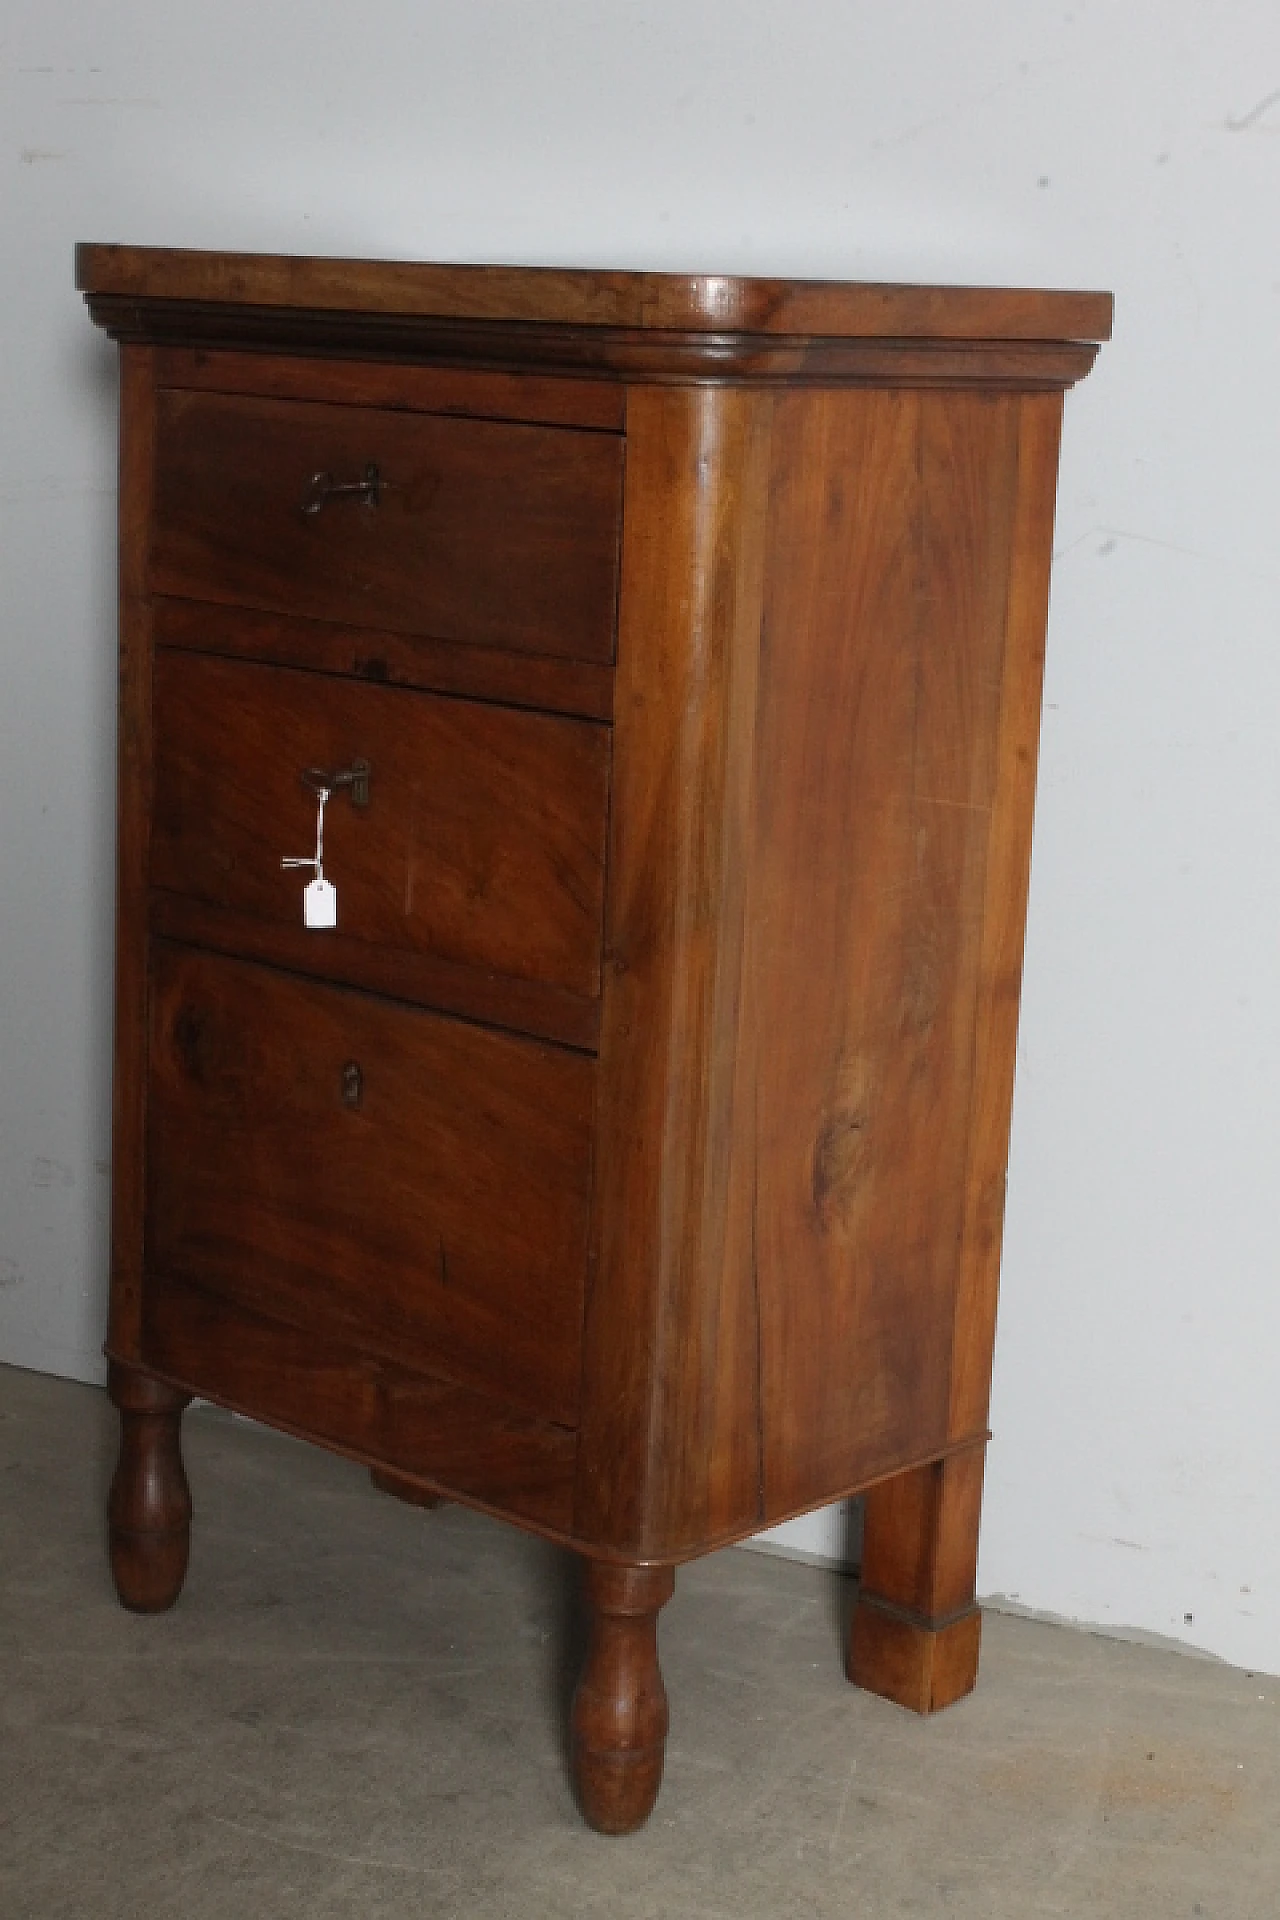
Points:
[149,1508]
[620,1708]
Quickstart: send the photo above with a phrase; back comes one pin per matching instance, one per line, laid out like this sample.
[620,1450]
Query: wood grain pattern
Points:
[468,1446]
[486,533]
[482,842]
[421,979]
[576,687]
[916,1630]
[920,1537]
[671,1441]
[438,1218]
[149,1505]
[914,1667]
[637,355]
[474,394]
[133,838]
[619,1718]
[1004,913]
[799,870]
[712,302]
[880,688]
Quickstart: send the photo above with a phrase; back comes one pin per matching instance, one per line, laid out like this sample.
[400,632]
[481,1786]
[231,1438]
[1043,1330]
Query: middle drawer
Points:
[483,840]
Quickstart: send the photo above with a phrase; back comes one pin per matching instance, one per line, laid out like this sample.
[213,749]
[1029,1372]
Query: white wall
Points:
[1135,1471]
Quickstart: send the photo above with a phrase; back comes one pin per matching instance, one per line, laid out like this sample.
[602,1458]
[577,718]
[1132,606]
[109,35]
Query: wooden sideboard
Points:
[628,1158]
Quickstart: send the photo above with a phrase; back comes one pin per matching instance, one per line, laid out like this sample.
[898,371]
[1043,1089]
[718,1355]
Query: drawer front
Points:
[486,532]
[411,1186]
[466,1442]
[483,840]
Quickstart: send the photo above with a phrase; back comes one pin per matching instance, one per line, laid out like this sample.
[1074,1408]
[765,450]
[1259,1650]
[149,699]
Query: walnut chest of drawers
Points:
[628,1159]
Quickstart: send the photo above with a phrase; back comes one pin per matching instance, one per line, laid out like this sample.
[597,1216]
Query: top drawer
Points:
[482,531]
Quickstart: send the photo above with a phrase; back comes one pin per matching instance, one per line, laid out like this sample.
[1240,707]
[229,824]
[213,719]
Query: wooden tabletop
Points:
[657,302]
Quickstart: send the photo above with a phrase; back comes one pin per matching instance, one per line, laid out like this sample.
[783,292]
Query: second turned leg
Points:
[917,1625]
[620,1707]
[149,1507]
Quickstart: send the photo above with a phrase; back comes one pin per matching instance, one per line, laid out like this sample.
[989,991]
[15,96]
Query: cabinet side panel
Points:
[134,782]
[670,1433]
[1004,911]
[879,700]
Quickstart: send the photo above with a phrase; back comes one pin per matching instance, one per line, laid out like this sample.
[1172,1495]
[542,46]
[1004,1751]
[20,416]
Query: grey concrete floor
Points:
[358,1708]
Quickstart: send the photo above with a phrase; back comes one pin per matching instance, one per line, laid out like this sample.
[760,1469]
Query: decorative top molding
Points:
[642,326]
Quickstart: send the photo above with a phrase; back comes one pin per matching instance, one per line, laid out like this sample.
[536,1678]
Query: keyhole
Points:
[352,1084]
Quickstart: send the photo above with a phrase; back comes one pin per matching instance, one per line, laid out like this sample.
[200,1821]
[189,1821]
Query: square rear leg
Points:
[917,1625]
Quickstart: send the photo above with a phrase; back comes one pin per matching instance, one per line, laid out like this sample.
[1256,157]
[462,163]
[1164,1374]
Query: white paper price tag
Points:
[320,904]
[319,896]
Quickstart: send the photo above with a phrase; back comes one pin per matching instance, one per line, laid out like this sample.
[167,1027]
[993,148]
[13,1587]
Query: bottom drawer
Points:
[413,1186]
[467,1444]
